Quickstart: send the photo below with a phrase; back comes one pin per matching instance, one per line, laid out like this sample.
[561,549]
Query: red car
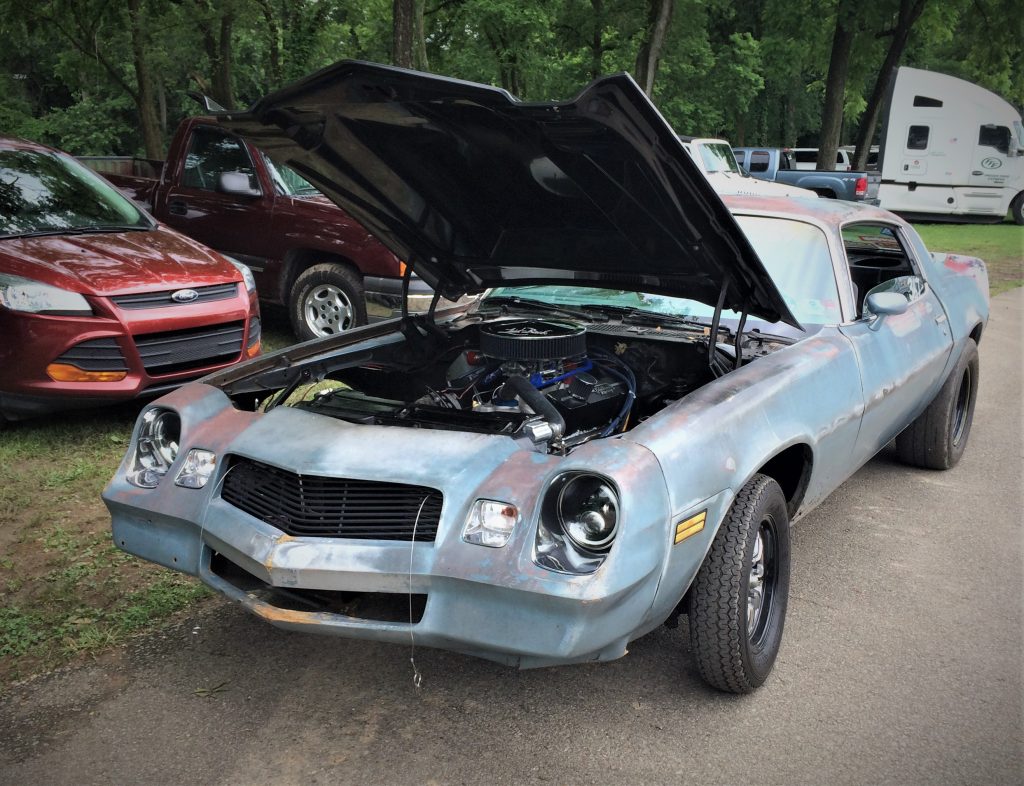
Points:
[98,302]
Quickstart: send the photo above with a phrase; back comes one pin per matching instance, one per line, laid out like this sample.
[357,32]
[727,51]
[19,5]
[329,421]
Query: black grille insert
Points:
[315,506]
[161,299]
[180,350]
[99,354]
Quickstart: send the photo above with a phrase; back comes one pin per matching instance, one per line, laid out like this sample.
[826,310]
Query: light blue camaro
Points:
[651,388]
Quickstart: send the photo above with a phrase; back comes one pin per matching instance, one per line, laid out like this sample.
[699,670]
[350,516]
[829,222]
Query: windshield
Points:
[795,254]
[288,182]
[50,193]
[1019,128]
[718,157]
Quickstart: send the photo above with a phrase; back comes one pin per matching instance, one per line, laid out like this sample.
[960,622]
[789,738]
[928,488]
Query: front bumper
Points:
[492,603]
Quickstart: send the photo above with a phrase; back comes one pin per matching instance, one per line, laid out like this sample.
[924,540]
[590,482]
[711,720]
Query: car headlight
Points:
[34,297]
[155,448]
[247,276]
[588,512]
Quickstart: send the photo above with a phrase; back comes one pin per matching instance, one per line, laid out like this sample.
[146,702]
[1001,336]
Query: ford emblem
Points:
[184,296]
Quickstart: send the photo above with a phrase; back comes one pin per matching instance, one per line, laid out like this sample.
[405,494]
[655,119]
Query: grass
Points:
[65,590]
[1000,245]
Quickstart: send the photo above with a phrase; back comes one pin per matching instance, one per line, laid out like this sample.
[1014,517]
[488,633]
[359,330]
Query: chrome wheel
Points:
[327,310]
[761,581]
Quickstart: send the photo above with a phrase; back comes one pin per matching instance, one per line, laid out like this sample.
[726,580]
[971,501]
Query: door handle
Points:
[177,207]
[940,319]
[976,172]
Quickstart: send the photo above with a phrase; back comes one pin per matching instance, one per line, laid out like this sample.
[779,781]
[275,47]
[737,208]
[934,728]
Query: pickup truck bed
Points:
[778,166]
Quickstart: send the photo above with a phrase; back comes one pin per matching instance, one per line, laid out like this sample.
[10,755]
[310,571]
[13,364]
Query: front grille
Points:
[180,350]
[321,507]
[100,354]
[160,299]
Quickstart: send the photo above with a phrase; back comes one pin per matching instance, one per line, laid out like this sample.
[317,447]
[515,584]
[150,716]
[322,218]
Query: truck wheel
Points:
[1017,208]
[936,440]
[738,600]
[325,300]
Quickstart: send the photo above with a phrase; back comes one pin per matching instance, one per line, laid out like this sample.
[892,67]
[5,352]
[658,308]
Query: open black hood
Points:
[476,189]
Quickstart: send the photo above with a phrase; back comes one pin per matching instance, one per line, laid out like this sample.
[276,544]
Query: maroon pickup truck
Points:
[307,253]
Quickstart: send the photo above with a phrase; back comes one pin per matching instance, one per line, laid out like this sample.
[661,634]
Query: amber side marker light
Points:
[691,526]
[254,350]
[62,372]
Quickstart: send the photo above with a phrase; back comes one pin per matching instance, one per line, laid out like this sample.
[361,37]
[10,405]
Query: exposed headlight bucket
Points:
[156,447]
[196,469]
[490,523]
[588,512]
[247,276]
[34,297]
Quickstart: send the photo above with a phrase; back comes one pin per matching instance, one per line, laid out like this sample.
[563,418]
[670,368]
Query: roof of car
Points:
[835,212]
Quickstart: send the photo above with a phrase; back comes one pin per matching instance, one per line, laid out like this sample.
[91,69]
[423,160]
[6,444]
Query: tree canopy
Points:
[113,76]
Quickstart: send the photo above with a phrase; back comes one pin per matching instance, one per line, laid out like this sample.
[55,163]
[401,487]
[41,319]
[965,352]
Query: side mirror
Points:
[884,304]
[236,184]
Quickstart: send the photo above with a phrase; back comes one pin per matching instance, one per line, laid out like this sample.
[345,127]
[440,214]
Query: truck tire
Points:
[936,440]
[1017,208]
[738,600]
[325,300]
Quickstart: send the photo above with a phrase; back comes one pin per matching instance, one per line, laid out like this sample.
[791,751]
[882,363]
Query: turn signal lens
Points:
[490,523]
[254,350]
[196,469]
[63,372]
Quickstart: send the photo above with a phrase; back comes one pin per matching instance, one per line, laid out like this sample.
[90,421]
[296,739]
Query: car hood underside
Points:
[476,189]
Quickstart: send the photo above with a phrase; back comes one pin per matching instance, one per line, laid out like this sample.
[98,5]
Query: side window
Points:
[917,138]
[210,154]
[995,136]
[806,156]
[876,256]
[759,161]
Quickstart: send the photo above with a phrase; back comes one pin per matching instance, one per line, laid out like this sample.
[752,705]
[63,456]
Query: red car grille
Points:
[159,299]
[100,354]
[181,350]
[314,506]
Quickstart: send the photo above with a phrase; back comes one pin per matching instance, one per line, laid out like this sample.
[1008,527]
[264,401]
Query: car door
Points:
[901,356]
[230,223]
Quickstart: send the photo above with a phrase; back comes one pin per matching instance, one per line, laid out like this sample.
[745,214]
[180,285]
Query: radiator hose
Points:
[538,402]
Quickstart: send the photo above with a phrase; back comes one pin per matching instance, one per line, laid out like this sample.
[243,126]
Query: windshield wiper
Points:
[638,316]
[535,305]
[84,230]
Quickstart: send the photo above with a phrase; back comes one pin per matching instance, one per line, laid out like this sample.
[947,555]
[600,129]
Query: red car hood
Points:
[116,263]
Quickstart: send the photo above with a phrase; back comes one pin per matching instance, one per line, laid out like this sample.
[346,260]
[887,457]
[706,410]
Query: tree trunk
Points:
[273,44]
[419,38]
[222,73]
[596,45]
[143,95]
[403,13]
[659,16]
[835,90]
[910,11]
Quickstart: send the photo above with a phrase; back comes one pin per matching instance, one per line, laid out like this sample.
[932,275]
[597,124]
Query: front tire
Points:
[937,439]
[739,598]
[1017,209]
[325,300]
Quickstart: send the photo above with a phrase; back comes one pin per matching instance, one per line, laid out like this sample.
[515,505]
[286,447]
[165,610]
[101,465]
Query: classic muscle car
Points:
[652,387]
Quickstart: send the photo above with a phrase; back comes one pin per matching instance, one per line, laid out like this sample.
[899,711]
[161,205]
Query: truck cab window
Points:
[759,161]
[995,136]
[917,138]
[211,153]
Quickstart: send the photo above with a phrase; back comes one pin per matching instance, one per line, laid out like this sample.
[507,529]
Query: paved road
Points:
[901,664]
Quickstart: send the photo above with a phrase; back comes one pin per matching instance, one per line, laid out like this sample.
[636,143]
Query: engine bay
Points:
[550,384]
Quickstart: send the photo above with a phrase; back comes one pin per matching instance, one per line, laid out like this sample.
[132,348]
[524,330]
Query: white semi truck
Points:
[951,150]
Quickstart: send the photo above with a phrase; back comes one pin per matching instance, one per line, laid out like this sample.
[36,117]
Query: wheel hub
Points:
[760,581]
[328,310]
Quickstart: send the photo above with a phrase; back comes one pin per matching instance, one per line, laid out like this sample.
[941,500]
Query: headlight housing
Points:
[247,276]
[156,447]
[588,512]
[34,297]
[578,523]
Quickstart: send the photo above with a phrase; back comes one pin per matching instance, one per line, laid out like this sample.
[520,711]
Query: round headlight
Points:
[165,431]
[588,511]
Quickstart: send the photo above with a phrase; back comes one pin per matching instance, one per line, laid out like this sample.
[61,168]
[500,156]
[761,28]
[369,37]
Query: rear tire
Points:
[326,299]
[936,440]
[738,600]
